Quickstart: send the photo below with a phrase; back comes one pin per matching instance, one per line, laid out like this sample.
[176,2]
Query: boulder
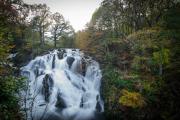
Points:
[84,100]
[83,67]
[25,73]
[60,55]
[38,72]
[47,86]
[74,49]
[98,106]
[39,64]
[70,61]
[60,103]
[53,61]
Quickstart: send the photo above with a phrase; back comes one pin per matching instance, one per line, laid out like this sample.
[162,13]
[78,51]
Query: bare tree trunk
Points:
[40,35]
[55,41]
[43,39]
[161,62]
[160,69]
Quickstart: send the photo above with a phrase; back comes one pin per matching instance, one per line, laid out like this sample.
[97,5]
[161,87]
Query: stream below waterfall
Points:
[62,85]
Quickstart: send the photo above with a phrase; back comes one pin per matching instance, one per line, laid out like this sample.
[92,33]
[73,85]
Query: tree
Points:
[9,84]
[126,16]
[82,39]
[59,26]
[40,20]
[161,57]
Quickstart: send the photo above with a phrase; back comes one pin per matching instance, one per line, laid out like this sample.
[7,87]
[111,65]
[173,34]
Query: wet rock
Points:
[25,73]
[73,49]
[48,58]
[47,86]
[42,104]
[60,55]
[64,55]
[82,103]
[37,72]
[53,61]
[70,61]
[98,106]
[62,50]
[83,67]
[60,103]
[84,89]
[39,64]
[83,80]
[86,57]
[84,100]
[97,97]
[67,75]
[77,85]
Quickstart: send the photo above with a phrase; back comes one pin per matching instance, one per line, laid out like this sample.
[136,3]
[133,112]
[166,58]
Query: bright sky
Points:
[78,12]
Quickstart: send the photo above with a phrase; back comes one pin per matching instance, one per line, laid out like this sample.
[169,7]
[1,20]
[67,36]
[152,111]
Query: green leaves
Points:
[11,84]
[162,56]
[9,88]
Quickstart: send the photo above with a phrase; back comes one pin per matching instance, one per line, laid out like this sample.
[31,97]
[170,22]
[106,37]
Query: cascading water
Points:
[62,85]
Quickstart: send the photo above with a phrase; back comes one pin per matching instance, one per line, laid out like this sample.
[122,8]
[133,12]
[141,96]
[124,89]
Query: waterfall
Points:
[62,85]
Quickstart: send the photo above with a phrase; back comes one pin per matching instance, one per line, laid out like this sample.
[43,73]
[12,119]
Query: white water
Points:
[62,85]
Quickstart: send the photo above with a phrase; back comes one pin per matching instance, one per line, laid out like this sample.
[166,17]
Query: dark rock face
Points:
[22,59]
[47,86]
[53,61]
[83,67]
[82,103]
[60,102]
[48,58]
[70,61]
[73,49]
[60,55]
[37,72]
[98,106]
[26,73]
[64,55]
[77,85]
[97,97]
[84,89]
[84,100]
[83,80]
[39,64]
